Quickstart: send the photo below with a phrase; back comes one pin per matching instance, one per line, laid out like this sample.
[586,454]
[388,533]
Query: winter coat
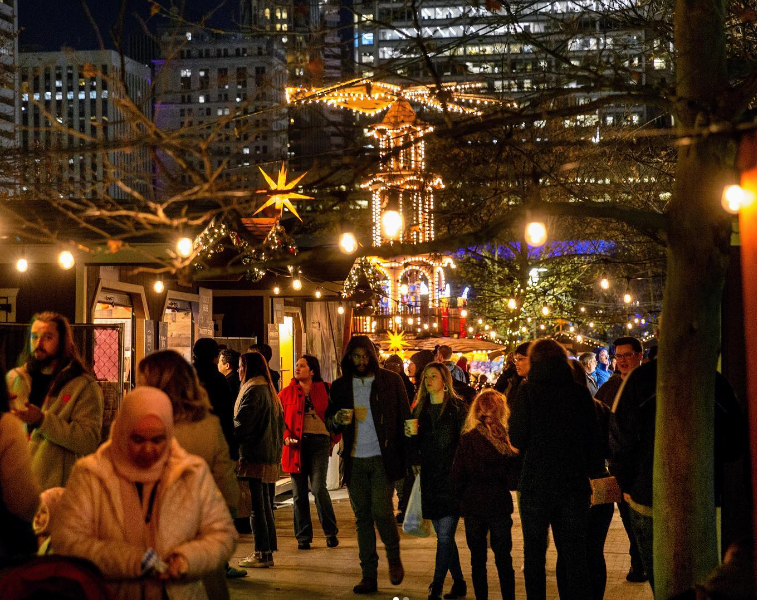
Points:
[192,520]
[293,400]
[220,397]
[70,428]
[205,439]
[554,425]
[481,476]
[258,426]
[434,449]
[632,432]
[389,407]
[602,373]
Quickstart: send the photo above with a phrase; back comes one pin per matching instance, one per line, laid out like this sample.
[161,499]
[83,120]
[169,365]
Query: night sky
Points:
[51,24]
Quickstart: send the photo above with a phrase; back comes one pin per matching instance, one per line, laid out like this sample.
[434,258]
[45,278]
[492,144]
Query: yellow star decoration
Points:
[397,342]
[279,201]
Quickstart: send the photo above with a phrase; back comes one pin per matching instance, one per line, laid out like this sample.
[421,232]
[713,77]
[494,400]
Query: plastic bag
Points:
[414,523]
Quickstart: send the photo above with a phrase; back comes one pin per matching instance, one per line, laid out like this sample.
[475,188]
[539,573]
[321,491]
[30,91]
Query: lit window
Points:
[189,36]
[366,39]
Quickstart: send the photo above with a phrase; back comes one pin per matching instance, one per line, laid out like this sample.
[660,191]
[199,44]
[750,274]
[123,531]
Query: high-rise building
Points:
[225,91]
[8,76]
[71,111]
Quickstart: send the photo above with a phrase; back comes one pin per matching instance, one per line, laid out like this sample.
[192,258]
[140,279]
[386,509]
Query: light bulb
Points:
[347,243]
[579,338]
[340,309]
[436,325]
[545,310]
[463,313]
[736,197]
[536,233]
[572,329]
[318,293]
[391,223]
[470,329]
[583,309]
[629,325]
[627,298]
[398,320]
[512,304]
[480,321]
[66,259]
[276,290]
[542,327]
[158,286]
[22,265]
[591,324]
[404,289]
[297,284]
[486,327]
[410,321]
[425,326]
[604,283]
[184,247]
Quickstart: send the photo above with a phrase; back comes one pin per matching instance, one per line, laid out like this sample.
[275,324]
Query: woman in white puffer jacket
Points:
[148,514]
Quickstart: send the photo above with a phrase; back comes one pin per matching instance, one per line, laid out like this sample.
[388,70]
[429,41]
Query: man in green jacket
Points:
[60,402]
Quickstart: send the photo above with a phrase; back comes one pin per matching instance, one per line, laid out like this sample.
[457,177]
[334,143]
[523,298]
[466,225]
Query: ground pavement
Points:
[328,573]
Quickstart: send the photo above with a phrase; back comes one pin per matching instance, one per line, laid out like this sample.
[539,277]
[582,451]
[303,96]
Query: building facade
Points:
[8,74]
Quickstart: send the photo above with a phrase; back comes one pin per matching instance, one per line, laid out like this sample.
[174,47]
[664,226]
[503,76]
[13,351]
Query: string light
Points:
[391,223]
[512,304]
[486,327]
[627,298]
[158,286]
[22,265]
[398,320]
[545,310]
[463,313]
[629,325]
[604,283]
[184,247]
[66,260]
[340,309]
[297,284]
[318,293]
[276,290]
[480,321]
[536,234]
[347,243]
[735,198]
[470,329]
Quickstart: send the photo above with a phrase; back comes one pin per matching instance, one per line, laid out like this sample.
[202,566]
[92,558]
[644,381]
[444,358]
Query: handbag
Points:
[414,523]
[605,490]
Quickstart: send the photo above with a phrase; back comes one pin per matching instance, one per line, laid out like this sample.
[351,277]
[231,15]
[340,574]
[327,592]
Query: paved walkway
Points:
[326,573]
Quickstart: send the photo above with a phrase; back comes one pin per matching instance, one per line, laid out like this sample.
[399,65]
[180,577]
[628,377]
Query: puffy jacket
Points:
[192,520]
[70,428]
[293,400]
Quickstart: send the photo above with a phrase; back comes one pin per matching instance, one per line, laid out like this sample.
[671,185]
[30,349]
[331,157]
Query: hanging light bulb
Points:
[579,338]
[347,243]
[542,327]
[391,223]
[591,324]
[297,284]
[629,325]
[404,289]
[463,313]
[545,310]
[528,319]
[583,309]
[480,321]
[410,320]
[158,286]
[486,327]
[66,260]
[276,290]
[736,197]
[572,329]
[604,283]
[184,247]
[398,320]
[470,329]
[627,298]
[536,233]
[22,265]
[318,293]
[512,304]
[340,309]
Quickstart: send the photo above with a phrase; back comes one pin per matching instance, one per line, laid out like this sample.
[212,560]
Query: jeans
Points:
[371,498]
[600,517]
[642,531]
[261,518]
[447,556]
[500,529]
[633,549]
[568,515]
[314,460]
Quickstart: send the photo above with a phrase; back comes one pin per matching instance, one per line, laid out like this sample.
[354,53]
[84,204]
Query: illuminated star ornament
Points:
[282,195]
[397,342]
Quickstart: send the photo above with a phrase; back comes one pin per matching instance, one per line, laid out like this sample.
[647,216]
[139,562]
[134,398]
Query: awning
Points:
[429,343]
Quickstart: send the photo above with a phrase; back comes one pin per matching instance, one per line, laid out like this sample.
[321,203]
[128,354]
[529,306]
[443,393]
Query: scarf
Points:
[141,402]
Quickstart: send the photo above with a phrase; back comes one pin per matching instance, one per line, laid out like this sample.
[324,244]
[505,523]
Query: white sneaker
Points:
[257,560]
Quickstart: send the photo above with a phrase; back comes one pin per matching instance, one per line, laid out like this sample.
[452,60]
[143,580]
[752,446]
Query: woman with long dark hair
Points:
[480,474]
[441,415]
[307,446]
[259,431]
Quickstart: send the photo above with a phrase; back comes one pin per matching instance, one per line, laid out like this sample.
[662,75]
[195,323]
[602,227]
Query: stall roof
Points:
[429,343]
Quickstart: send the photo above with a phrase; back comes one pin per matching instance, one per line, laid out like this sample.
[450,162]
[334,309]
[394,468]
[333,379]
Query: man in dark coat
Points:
[205,354]
[368,405]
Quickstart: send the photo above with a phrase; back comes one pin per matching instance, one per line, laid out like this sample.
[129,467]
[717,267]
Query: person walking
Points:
[205,354]
[554,426]
[198,432]
[57,398]
[368,406]
[143,510]
[440,417]
[480,476]
[307,447]
[259,431]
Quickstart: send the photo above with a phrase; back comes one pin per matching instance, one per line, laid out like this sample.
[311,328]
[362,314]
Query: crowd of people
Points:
[194,453]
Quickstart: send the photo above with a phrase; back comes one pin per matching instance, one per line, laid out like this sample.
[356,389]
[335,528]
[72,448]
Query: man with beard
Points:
[60,402]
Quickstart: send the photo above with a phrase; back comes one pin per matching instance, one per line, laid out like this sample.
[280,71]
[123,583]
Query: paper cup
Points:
[412,426]
[347,413]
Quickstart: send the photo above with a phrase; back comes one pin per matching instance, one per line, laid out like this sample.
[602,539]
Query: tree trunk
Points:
[685,542]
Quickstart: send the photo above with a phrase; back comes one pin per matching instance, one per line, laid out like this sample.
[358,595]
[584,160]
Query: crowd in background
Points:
[195,451]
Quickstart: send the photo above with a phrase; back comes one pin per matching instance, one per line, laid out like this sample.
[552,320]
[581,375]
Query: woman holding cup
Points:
[438,418]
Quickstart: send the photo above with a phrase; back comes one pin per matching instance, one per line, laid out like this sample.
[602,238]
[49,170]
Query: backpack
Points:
[58,577]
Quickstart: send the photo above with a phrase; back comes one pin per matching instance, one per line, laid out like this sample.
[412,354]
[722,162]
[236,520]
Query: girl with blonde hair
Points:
[480,473]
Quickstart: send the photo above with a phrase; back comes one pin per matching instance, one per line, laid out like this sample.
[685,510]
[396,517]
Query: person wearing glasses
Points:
[629,353]
[522,367]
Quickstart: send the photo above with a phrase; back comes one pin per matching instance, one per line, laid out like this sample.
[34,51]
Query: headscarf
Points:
[140,402]
[51,499]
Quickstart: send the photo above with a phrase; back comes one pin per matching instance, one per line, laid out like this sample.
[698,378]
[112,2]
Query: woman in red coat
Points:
[307,446]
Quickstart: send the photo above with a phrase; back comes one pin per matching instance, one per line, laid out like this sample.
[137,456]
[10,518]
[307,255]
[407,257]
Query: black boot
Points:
[435,591]
[459,590]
